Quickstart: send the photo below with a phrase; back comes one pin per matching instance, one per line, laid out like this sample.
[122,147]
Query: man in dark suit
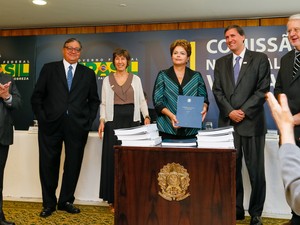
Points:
[65,108]
[10,100]
[241,104]
[288,82]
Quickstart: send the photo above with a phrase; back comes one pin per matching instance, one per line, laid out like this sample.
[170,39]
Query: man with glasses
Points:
[65,102]
[288,82]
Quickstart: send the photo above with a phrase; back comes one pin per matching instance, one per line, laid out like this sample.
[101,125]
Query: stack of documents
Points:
[33,130]
[145,135]
[216,138]
[180,142]
[272,134]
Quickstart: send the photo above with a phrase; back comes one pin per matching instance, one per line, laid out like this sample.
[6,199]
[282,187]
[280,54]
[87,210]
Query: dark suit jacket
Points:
[289,86]
[248,94]
[51,99]
[6,120]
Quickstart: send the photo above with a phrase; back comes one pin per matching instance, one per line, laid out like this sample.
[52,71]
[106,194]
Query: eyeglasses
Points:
[70,49]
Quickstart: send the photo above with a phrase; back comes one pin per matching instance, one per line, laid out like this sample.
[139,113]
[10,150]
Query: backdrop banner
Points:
[150,53]
[17,58]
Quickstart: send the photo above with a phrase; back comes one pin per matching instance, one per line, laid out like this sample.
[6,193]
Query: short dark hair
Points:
[72,40]
[121,52]
[183,43]
[237,27]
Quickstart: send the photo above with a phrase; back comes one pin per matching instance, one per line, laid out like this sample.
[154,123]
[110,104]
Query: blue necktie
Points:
[70,77]
[296,64]
[236,68]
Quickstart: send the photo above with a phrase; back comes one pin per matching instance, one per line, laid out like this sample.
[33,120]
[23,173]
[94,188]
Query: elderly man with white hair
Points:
[288,82]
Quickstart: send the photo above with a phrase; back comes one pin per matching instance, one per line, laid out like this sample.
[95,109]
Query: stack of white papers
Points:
[145,135]
[33,130]
[272,134]
[216,138]
[136,130]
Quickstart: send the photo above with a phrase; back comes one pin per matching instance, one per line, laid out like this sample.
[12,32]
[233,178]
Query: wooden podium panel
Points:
[208,175]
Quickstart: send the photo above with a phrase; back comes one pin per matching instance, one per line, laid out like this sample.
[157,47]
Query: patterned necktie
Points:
[236,68]
[296,64]
[70,76]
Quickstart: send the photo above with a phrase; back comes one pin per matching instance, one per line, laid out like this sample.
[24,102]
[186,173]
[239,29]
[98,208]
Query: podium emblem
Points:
[174,181]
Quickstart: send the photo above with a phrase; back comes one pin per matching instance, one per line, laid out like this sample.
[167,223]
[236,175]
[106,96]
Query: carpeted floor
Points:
[27,213]
[266,221]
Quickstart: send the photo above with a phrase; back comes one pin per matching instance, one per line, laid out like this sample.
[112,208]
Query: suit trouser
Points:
[50,146]
[3,158]
[252,149]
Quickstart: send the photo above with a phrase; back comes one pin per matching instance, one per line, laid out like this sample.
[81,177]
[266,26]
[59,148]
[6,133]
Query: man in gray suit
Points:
[289,152]
[10,100]
[241,101]
[288,81]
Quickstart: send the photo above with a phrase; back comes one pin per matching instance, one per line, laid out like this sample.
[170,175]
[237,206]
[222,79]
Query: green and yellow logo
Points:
[18,70]
[104,68]
[193,56]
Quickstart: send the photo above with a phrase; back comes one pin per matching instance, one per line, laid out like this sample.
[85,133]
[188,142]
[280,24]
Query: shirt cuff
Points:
[8,100]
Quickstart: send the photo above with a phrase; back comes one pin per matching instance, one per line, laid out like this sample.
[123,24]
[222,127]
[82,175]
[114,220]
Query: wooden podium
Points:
[174,186]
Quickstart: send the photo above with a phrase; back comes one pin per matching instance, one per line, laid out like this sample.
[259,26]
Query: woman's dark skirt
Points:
[123,118]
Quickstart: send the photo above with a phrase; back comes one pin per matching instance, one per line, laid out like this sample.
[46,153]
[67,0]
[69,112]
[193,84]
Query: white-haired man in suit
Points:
[288,82]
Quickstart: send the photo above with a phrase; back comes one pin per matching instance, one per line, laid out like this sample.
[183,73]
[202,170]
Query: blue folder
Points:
[189,110]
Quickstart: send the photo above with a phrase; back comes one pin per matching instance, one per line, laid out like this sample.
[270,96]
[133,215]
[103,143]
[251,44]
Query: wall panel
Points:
[242,23]
[273,21]
[143,27]
[81,30]
[111,29]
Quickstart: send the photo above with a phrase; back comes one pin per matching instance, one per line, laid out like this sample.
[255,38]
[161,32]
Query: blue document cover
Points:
[180,142]
[189,110]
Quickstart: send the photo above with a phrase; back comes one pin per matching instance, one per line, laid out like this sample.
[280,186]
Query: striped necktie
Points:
[70,76]
[296,64]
